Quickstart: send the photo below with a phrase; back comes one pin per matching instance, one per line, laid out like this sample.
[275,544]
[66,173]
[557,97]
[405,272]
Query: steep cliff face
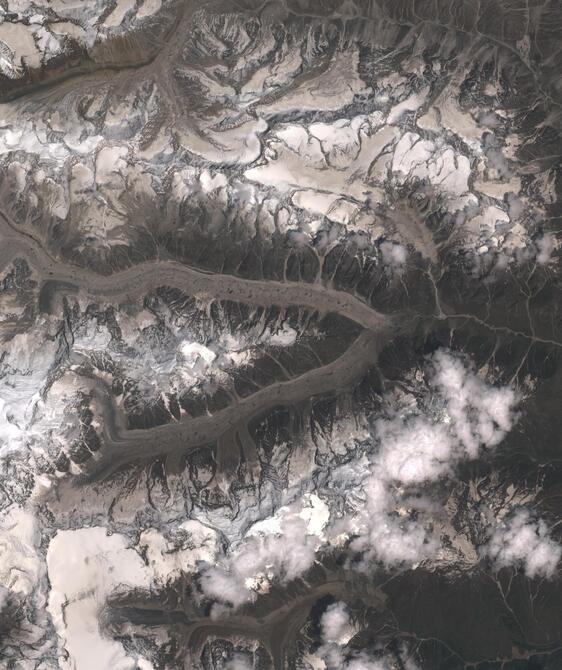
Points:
[280,323]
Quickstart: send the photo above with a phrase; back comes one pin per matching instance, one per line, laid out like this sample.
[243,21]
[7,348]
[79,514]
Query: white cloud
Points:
[480,414]
[363,662]
[166,560]
[239,662]
[279,549]
[414,451]
[337,630]
[225,586]
[545,247]
[393,254]
[383,535]
[335,660]
[386,517]
[522,541]
[336,624]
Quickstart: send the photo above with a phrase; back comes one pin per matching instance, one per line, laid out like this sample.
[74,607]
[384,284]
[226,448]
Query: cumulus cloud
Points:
[364,663]
[336,624]
[393,254]
[239,662]
[545,247]
[225,585]
[337,630]
[522,541]
[279,550]
[480,414]
[383,534]
[388,518]
[334,660]
[416,450]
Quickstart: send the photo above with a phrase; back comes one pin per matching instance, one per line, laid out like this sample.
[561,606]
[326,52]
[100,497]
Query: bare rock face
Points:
[280,324]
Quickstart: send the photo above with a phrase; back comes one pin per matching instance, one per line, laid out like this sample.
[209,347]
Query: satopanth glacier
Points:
[280,334]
